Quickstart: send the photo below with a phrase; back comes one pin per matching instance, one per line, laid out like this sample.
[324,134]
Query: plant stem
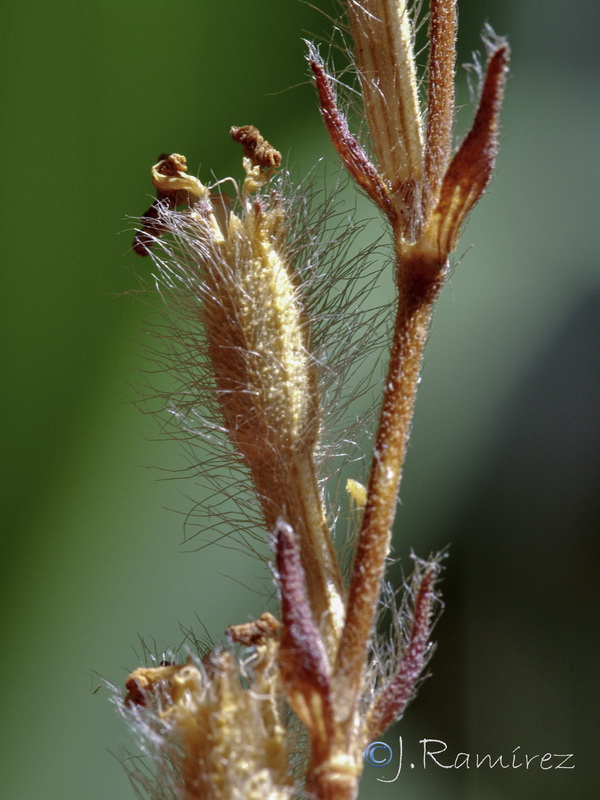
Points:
[419,284]
[326,783]
[291,490]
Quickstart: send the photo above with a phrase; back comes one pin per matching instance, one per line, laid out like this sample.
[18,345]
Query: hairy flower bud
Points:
[211,736]
[235,264]
[384,42]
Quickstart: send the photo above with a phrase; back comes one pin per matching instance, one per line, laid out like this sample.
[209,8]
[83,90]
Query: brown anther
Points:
[172,164]
[254,633]
[142,682]
[256,147]
[135,695]
[152,229]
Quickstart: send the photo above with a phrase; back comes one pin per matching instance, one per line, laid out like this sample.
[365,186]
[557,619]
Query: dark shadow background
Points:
[504,463]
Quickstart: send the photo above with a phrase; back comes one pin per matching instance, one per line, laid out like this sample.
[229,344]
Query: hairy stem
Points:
[440,100]
[418,290]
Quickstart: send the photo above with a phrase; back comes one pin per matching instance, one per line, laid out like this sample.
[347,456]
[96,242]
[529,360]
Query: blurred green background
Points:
[505,458]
